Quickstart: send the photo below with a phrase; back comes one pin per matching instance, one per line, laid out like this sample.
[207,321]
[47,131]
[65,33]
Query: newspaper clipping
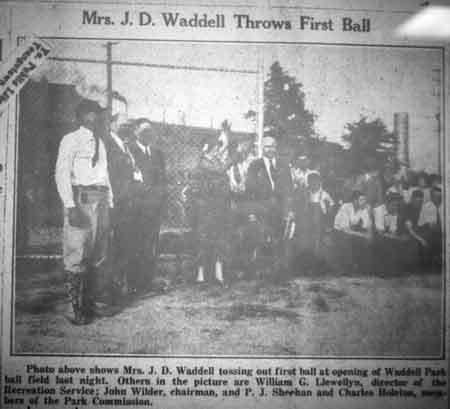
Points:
[222,205]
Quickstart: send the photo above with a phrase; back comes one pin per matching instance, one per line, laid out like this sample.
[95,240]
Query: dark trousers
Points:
[145,227]
[123,245]
[257,244]
[392,255]
[432,255]
[351,254]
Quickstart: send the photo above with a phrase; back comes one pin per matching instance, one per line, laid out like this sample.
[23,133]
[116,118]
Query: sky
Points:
[341,83]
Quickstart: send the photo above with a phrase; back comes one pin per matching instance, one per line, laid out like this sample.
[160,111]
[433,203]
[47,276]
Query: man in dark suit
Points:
[269,181]
[126,180]
[269,187]
[151,200]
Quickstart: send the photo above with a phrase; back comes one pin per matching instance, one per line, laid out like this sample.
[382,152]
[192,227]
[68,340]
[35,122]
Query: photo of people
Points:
[234,200]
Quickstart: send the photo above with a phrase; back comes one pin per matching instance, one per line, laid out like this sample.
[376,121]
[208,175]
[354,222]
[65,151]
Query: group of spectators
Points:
[392,223]
[265,215]
[248,214]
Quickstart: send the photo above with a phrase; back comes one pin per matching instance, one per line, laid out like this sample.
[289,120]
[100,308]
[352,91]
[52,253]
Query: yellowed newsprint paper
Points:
[236,204]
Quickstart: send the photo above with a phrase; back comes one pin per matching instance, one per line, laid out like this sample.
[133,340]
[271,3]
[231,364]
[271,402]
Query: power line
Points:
[164,66]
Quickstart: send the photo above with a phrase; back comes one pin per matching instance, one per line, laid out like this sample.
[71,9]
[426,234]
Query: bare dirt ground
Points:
[323,314]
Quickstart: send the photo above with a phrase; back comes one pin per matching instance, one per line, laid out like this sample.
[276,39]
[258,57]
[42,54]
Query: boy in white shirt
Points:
[353,235]
[431,226]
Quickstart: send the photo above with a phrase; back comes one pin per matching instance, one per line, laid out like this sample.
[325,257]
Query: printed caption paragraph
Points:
[56,386]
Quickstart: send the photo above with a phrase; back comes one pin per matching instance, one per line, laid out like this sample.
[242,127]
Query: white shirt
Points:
[429,214]
[74,165]
[267,162]
[118,141]
[144,149]
[137,174]
[234,184]
[321,197]
[347,217]
[300,177]
[384,221]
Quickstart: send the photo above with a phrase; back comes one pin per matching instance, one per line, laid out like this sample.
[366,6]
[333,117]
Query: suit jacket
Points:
[153,194]
[259,186]
[120,168]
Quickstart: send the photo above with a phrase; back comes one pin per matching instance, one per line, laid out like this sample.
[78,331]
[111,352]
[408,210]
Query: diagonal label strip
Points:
[17,69]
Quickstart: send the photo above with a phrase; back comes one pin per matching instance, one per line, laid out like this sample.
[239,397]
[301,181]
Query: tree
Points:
[370,143]
[285,115]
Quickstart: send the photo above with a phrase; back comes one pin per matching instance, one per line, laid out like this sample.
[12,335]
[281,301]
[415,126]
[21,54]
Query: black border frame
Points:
[443,153]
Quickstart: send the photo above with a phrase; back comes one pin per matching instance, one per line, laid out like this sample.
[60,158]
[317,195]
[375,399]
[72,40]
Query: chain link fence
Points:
[182,146]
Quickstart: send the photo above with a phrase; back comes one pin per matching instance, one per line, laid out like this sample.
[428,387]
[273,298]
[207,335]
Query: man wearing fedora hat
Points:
[84,187]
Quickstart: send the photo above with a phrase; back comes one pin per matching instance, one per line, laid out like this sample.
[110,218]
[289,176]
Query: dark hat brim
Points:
[89,105]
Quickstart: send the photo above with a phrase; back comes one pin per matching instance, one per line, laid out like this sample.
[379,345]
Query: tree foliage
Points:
[285,115]
[370,142]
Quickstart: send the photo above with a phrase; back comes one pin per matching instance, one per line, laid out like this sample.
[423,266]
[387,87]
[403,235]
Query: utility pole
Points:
[260,116]
[109,86]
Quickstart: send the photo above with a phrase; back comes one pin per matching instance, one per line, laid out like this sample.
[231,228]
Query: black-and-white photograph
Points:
[230,199]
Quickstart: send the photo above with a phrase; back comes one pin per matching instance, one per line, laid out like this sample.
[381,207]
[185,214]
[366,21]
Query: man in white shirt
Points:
[300,171]
[313,208]
[431,226]
[83,184]
[353,234]
[317,194]
[394,248]
[387,217]
[354,217]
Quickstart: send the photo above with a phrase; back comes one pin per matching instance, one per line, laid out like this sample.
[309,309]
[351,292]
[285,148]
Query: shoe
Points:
[102,310]
[78,320]
[75,291]
[78,317]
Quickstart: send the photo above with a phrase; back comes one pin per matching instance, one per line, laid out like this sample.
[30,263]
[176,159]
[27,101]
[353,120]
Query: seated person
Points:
[387,217]
[431,227]
[353,235]
[411,217]
[393,246]
[354,218]
[423,185]
[400,187]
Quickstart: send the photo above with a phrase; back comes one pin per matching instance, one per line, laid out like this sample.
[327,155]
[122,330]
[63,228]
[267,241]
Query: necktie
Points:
[237,174]
[273,171]
[130,156]
[96,152]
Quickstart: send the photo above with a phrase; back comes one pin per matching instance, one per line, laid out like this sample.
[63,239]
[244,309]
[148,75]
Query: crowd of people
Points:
[258,216]
[249,215]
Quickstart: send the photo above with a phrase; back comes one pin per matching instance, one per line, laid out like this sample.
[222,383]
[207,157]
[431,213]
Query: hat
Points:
[86,106]
[269,141]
